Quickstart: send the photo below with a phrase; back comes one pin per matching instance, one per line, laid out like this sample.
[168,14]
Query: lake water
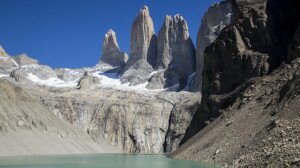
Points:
[98,161]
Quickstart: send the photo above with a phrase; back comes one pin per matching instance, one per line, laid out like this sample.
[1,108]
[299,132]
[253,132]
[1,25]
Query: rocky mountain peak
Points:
[111,53]
[215,19]
[144,10]
[142,35]
[142,49]
[2,52]
[24,59]
[111,34]
[110,43]
[177,61]
[6,62]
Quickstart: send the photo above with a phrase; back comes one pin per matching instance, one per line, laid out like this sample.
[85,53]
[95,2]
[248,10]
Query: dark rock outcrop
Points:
[111,53]
[254,45]
[215,19]
[175,54]
[294,48]
[142,50]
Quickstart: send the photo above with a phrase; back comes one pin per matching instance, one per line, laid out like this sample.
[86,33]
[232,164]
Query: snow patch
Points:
[189,81]
[112,80]
[153,73]
[3,75]
[54,82]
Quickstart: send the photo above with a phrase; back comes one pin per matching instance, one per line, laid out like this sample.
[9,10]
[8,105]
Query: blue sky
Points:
[69,33]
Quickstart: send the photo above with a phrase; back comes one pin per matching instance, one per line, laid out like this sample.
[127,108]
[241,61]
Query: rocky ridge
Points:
[142,49]
[131,119]
[249,46]
[242,115]
[111,53]
[247,116]
[6,62]
[215,19]
[23,59]
[174,63]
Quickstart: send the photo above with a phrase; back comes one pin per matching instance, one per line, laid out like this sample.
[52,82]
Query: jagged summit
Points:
[145,10]
[111,53]
[177,61]
[111,33]
[24,59]
[142,49]
[6,62]
[2,52]
[215,19]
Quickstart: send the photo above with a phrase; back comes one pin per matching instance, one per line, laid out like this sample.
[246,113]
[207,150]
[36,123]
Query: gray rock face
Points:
[111,53]
[175,52]
[216,18]
[2,52]
[69,74]
[138,73]
[6,62]
[40,71]
[142,49]
[88,81]
[253,46]
[23,59]
[131,121]
[23,118]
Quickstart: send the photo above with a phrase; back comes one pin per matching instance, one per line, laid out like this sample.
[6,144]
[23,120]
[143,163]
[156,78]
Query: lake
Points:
[98,161]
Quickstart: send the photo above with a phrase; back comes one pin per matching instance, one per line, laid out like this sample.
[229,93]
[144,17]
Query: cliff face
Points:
[6,62]
[111,53]
[236,90]
[27,127]
[252,46]
[131,121]
[215,19]
[175,54]
[23,59]
[164,61]
[93,102]
[142,49]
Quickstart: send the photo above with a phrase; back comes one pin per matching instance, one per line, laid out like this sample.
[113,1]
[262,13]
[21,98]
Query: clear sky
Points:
[69,33]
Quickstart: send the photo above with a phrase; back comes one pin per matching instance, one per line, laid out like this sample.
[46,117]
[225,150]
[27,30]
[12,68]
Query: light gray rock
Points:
[175,52]
[157,80]
[142,49]
[23,118]
[131,121]
[42,72]
[215,19]
[6,62]
[69,74]
[137,73]
[88,81]
[111,53]
[23,59]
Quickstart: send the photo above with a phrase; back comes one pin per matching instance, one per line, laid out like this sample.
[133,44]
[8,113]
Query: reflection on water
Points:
[98,161]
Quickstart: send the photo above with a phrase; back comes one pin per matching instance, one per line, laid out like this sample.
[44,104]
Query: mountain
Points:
[232,100]
[174,63]
[249,93]
[142,49]
[158,60]
[215,19]
[24,59]
[111,53]
[6,62]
